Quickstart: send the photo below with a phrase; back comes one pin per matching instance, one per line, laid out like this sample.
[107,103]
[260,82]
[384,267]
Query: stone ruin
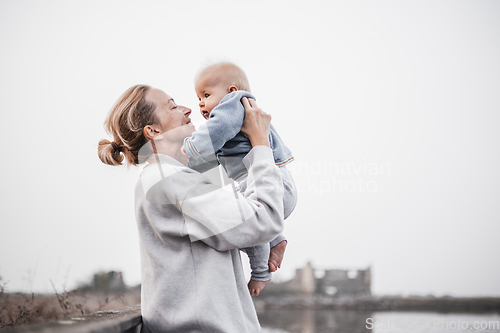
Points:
[333,282]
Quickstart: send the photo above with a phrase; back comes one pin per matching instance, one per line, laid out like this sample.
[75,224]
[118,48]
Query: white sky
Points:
[391,108]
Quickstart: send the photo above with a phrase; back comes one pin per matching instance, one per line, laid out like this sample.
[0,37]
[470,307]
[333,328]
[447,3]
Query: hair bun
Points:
[116,147]
[108,154]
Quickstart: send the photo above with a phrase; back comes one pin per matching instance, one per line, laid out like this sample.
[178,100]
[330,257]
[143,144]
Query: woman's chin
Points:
[191,128]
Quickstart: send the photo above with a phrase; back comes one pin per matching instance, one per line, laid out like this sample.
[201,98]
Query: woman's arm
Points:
[225,219]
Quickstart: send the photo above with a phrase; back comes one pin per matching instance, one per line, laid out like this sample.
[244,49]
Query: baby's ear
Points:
[232,88]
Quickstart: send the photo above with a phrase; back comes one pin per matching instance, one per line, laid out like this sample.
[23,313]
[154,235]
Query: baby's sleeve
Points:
[224,123]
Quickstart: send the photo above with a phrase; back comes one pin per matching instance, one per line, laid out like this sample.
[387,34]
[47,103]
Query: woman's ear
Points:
[232,88]
[150,132]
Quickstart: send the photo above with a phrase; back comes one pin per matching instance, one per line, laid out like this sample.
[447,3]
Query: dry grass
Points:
[18,309]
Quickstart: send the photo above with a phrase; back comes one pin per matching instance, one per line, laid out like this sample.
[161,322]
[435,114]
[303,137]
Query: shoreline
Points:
[378,303]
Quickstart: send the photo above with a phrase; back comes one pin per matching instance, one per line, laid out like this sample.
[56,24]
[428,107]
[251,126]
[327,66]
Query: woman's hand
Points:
[256,124]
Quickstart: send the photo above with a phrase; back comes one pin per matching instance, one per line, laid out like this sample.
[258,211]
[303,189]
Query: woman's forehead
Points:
[159,97]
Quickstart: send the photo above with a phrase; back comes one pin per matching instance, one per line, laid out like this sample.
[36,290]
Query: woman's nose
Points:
[187,111]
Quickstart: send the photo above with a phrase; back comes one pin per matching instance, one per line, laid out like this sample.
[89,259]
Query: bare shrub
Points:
[18,308]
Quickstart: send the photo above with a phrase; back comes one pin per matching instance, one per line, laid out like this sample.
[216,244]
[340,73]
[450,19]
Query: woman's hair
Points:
[125,122]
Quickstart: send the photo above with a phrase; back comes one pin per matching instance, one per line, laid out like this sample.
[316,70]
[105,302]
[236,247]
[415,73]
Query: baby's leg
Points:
[260,276]
[278,245]
[290,192]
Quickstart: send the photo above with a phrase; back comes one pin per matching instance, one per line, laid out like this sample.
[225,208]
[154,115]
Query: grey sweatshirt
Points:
[190,231]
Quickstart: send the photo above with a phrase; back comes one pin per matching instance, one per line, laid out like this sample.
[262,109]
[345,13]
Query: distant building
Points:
[335,282]
[106,282]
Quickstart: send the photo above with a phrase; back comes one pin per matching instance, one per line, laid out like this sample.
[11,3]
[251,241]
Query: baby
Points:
[220,88]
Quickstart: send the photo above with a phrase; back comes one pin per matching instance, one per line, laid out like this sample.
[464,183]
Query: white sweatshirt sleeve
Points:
[220,217]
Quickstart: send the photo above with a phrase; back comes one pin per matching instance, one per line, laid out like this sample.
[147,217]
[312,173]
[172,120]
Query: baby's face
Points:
[209,92]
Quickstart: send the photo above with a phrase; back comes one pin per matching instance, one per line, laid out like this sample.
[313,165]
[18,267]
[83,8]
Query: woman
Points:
[190,229]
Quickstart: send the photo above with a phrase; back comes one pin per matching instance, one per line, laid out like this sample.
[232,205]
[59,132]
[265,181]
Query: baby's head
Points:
[216,81]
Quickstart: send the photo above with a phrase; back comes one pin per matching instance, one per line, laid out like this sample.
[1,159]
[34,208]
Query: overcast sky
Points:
[391,109]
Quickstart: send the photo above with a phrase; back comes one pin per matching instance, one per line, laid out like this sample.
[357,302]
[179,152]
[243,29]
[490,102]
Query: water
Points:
[323,321]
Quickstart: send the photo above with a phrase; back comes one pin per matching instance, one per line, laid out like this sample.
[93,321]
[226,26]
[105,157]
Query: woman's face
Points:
[174,119]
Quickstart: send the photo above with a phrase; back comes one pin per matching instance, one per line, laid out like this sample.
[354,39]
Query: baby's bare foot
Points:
[255,287]
[276,256]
